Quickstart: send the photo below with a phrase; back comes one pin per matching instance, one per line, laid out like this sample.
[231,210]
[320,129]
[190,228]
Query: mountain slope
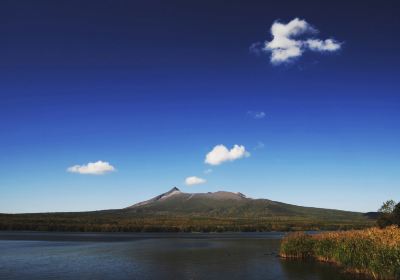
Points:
[228,204]
[179,211]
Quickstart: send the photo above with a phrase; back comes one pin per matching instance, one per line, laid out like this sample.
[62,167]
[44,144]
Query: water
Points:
[152,256]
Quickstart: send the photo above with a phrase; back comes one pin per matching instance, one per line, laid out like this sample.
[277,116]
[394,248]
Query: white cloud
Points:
[208,171]
[220,154]
[256,48]
[193,180]
[260,145]
[319,45]
[286,45]
[256,114]
[92,168]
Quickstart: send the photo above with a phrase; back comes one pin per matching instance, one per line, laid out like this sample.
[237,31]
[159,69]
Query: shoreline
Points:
[131,236]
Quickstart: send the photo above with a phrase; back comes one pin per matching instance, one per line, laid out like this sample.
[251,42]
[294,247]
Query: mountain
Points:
[229,204]
[179,211]
[187,200]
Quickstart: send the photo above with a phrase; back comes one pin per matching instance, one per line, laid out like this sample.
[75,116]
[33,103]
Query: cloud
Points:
[193,180]
[256,114]
[220,154]
[287,45]
[256,48]
[260,145]
[208,171]
[92,168]
[319,45]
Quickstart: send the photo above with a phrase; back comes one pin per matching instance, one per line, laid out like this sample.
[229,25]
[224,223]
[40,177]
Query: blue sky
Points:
[151,87]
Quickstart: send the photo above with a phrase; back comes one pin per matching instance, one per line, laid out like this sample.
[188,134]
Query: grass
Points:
[373,252]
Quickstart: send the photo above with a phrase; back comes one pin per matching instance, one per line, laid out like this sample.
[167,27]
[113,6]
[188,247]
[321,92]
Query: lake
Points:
[36,255]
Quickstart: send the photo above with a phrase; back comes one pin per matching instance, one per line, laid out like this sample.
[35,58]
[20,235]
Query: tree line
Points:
[116,223]
[389,214]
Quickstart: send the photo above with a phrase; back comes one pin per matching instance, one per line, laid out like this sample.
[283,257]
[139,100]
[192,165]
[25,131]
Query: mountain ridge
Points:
[175,210]
[231,204]
[176,191]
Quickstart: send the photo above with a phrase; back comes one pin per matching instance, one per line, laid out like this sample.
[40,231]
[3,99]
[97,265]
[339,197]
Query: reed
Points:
[373,252]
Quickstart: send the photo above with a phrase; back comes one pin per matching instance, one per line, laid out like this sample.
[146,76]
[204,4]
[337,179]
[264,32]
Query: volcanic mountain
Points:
[179,211]
[234,205]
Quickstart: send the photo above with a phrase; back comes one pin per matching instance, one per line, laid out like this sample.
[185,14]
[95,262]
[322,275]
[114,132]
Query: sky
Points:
[107,103]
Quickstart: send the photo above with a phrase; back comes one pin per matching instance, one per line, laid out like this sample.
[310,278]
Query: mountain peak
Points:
[162,196]
[174,189]
[169,193]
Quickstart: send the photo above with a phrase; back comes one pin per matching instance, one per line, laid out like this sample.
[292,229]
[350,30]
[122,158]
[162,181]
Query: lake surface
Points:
[28,255]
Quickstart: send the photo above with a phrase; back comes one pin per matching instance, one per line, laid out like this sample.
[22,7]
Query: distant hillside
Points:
[179,211]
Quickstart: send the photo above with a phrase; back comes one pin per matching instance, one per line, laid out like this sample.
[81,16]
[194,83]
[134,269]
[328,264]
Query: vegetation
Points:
[207,205]
[389,214]
[126,221]
[374,252]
